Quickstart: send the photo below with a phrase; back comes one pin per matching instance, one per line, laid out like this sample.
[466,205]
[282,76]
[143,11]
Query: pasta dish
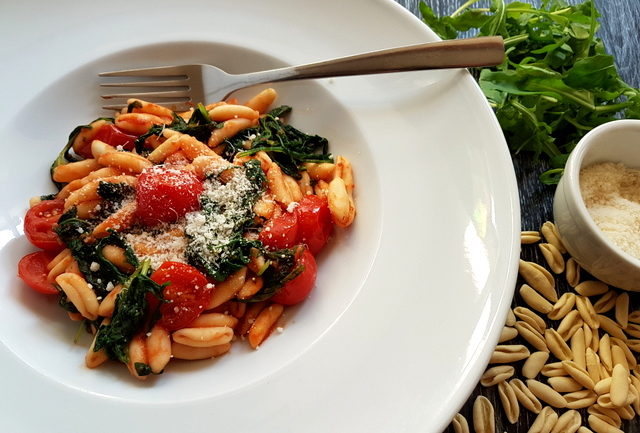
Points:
[173,235]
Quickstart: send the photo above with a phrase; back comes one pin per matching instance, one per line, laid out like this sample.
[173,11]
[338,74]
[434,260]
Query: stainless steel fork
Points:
[181,87]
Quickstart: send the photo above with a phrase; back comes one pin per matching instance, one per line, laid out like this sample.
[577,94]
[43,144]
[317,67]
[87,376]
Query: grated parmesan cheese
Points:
[211,229]
[159,246]
[292,206]
[611,193]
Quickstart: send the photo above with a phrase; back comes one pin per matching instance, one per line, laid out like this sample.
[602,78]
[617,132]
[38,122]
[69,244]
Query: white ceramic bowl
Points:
[617,141]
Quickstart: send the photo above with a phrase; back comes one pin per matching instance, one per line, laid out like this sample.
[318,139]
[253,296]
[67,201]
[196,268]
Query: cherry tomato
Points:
[166,194]
[187,294]
[298,289]
[280,232]
[314,222]
[39,222]
[32,268]
[112,135]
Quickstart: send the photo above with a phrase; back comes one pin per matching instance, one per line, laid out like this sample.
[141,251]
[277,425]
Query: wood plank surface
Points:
[620,31]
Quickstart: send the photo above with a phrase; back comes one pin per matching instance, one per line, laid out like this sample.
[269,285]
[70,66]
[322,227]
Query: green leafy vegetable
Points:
[115,192]
[284,144]
[200,116]
[65,303]
[98,271]
[72,230]
[234,254]
[557,81]
[255,175]
[129,314]
[65,156]
[113,195]
[199,126]
[280,268]
[133,105]
[48,197]
[142,369]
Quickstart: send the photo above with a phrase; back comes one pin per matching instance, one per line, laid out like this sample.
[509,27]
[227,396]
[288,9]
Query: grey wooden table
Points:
[620,31]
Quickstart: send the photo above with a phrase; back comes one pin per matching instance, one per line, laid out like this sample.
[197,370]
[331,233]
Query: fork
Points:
[181,87]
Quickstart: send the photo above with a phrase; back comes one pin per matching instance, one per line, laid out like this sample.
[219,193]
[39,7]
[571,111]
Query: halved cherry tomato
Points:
[298,289]
[32,268]
[39,222]
[187,294]
[112,135]
[280,232]
[310,223]
[166,194]
[314,222]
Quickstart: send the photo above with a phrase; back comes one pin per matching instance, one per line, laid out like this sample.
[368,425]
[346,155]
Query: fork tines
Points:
[170,88]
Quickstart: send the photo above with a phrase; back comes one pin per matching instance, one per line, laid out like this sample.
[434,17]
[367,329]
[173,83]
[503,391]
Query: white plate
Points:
[409,302]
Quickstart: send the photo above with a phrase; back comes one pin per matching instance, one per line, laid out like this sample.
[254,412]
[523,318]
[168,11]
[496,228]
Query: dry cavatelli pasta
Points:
[509,401]
[579,347]
[483,416]
[460,424]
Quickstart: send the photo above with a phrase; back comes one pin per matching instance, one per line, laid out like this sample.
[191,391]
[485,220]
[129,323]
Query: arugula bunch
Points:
[556,83]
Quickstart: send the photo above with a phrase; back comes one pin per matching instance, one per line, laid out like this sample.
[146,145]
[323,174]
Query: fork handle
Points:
[457,53]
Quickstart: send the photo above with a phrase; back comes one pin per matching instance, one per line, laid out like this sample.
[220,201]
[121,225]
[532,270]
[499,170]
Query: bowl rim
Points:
[572,174]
